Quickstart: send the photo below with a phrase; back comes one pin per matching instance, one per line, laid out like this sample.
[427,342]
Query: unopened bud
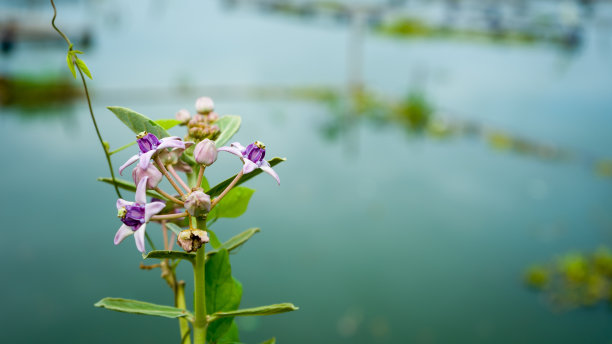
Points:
[192,239]
[183,116]
[152,172]
[204,105]
[205,152]
[213,116]
[197,203]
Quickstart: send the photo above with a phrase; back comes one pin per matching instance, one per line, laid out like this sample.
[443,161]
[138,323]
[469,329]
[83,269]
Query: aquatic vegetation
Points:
[35,92]
[574,279]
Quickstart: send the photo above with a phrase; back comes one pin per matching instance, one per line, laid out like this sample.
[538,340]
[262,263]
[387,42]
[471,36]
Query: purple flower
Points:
[149,145]
[252,156]
[135,215]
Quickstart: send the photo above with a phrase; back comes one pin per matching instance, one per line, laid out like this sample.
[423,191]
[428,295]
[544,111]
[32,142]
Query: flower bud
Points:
[197,203]
[205,152]
[183,116]
[152,172]
[192,239]
[204,105]
[213,116]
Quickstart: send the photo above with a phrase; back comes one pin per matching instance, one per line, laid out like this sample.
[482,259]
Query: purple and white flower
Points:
[252,156]
[149,144]
[135,215]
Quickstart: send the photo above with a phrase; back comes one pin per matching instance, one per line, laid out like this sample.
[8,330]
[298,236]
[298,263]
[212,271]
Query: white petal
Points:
[141,190]
[232,150]
[128,163]
[121,203]
[152,209]
[265,166]
[123,232]
[238,145]
[249,166]
[145,159]
[139,236]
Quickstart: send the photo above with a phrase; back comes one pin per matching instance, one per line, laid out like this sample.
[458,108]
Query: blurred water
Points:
[378,237]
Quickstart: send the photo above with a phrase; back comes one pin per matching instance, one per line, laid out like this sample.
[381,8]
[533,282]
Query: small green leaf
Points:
[234,204]
[161,254]
[70,64]
[138,122]
[235,242]
[223,293]
[261,310]
[140,307]
[122,148]
[77,52]
[125,185]
[228,126]
[81,64]
[168,123]
[174,228]
[218,189]
[270,341]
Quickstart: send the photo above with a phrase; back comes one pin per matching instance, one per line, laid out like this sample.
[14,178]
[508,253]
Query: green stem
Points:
[179,302]
[122,148]
[200,323]
[55,27]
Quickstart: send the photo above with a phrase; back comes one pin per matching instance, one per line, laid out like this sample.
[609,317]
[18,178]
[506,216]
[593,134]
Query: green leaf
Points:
[228,126]
[70,64]
[262,310]
[174,228]
[168,123]
[214,241]
[81,64]
[162,254]
[140,307]
[231,336]
[270,341]
[234,204]
[235,242]
[218,189]
[124,184]
[137,122]
[223,293]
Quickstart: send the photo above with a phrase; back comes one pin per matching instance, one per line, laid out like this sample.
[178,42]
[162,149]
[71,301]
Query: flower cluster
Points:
[163,157]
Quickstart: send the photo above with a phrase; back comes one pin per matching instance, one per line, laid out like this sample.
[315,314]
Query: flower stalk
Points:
[200,323]
[168,196]
[169,216]
[178,178]
[227,189]
[163,170]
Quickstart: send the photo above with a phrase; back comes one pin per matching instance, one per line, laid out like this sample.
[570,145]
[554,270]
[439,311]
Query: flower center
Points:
[132,215]
[255,152]
[147,141]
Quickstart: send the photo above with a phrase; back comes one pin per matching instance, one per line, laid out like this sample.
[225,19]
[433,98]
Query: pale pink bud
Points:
[152,172]
[205,152]
[213,116]
[204,105]
[197,203]
[183,116]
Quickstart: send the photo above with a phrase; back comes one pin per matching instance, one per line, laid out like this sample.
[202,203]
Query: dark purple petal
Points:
[254,153]
[148,142]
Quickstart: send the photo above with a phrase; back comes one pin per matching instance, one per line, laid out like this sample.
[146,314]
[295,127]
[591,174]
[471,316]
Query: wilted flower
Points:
[192,239]
[151,172]
[135,216]
[183,116]
[205,152]
[204,105]
[149,145]
[197,203]
[252,156]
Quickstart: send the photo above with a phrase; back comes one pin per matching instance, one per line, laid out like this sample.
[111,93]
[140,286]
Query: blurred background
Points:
[436,150]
